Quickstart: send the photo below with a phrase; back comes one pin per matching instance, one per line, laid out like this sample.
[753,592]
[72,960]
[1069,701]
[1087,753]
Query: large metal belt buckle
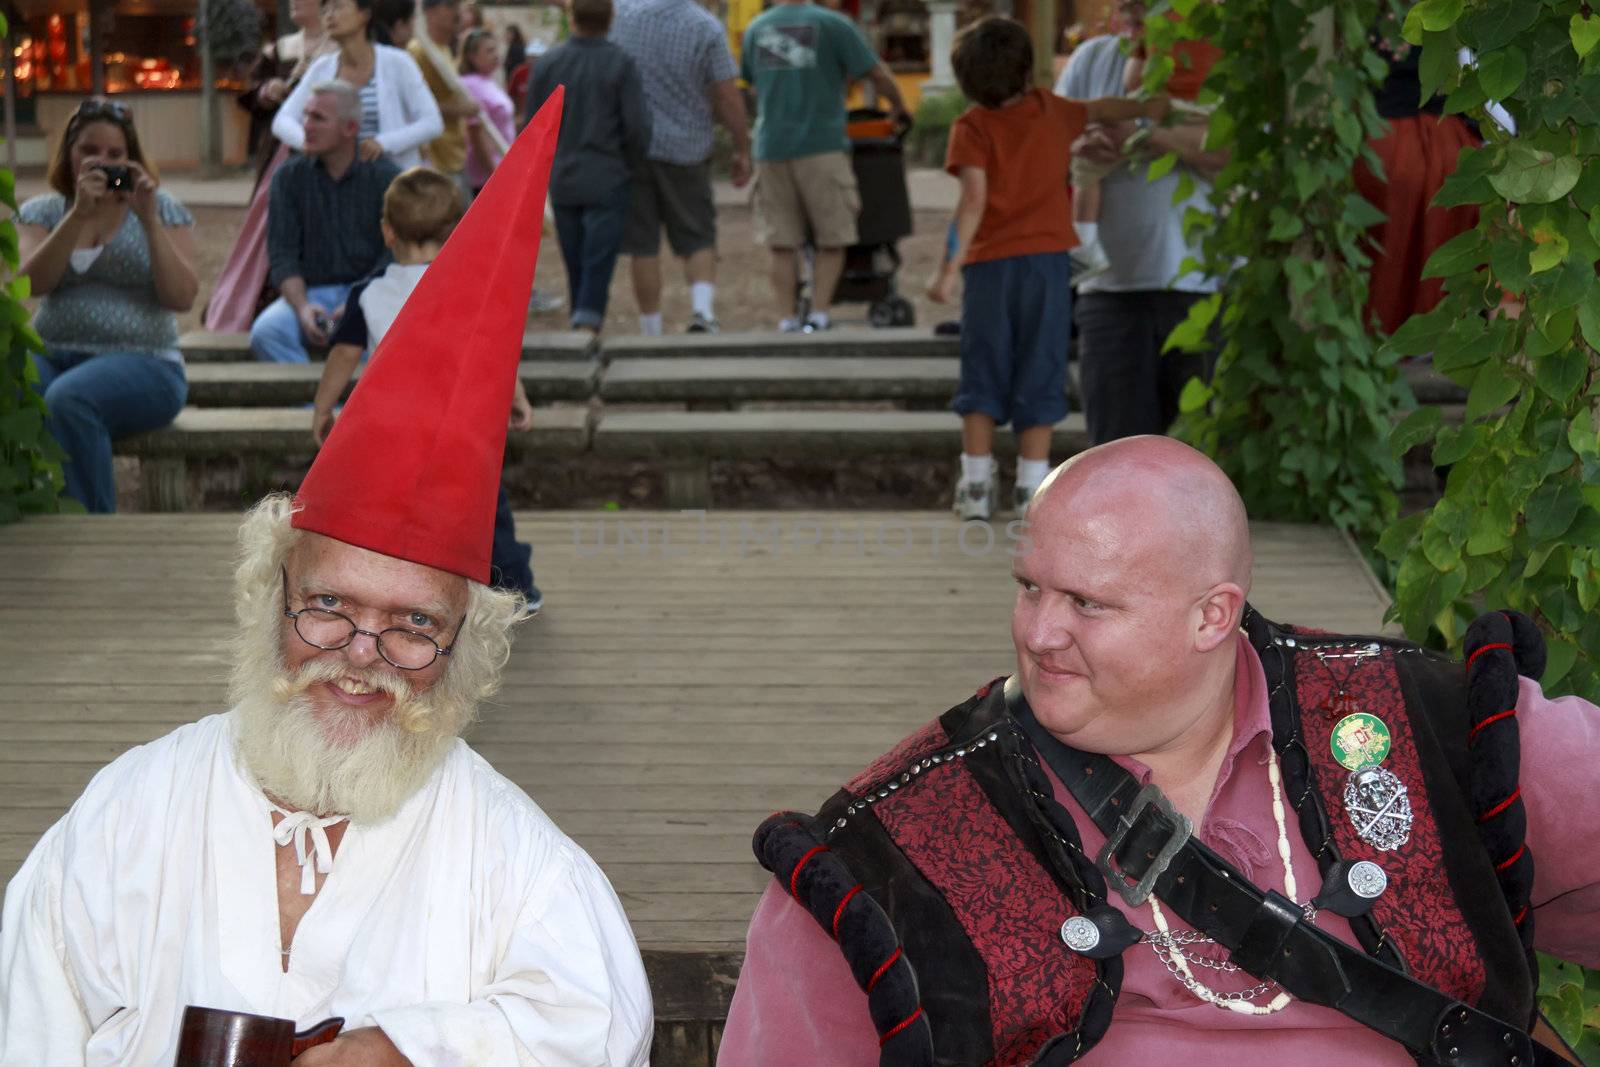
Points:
[1139,892]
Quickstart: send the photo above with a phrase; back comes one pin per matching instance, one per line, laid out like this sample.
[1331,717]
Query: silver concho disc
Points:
[1080,934]
[1367,880]
[1379,806]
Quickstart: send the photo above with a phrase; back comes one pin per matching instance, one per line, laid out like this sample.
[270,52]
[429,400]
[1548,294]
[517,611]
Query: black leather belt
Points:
[1149,849]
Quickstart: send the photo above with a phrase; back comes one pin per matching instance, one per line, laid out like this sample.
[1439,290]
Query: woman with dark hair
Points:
[398,113]
[516,50]
[112,255]
[393,22]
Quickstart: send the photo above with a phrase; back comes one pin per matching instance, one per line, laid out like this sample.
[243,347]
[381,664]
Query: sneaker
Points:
[1021,500]
[789,326]
[975,500]
[1088,261]
[542,303]
[698,323]
[816,325]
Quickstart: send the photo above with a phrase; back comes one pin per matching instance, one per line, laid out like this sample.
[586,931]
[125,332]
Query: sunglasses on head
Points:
[93,109]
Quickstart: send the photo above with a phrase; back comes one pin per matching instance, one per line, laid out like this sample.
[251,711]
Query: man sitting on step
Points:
[1350,845]
[323,234]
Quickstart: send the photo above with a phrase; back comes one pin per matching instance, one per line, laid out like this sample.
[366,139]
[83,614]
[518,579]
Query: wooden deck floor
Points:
[671,695]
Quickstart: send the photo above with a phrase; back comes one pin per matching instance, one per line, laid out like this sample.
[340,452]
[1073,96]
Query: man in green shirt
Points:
[800,58]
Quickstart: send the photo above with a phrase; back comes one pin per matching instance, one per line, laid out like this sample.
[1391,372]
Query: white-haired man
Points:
[329,846]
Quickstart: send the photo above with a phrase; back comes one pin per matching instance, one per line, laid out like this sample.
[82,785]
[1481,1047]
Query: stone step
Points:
[201,433]
[208,346]
[252,384]
[823,434]
[899,343]
[732,380]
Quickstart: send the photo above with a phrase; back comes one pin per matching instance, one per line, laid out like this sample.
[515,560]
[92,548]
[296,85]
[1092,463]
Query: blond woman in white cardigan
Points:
[399,114]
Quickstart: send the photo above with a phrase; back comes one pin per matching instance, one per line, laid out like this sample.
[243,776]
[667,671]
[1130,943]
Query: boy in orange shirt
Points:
[1012,154]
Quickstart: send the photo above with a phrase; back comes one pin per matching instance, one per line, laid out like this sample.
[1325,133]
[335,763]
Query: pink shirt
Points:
[498,112]
[797,1005]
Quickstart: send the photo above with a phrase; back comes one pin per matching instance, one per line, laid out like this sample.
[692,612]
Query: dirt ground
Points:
[744,295]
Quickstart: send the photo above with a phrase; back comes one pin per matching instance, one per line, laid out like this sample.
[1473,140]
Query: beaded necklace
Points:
[1172,950]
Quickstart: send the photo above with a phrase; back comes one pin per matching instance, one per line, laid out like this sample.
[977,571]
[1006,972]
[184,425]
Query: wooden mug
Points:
[211,1037]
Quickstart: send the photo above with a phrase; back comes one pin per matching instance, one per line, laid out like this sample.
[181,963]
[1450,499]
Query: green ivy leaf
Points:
[1416,428]
[1530,176]
[1190,334]
[1397,537]
[1501,72]
[1438,15]
[1461,253]
[1561,373]
[1585,33]
[1549,249]
[1439,63]
[1161,166]
[1195,396]
[1493,26]
[1551,509]
[1418,334]
[1495,385]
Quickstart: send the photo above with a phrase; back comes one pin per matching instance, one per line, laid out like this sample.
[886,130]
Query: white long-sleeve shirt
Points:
[468,926]
[408,116]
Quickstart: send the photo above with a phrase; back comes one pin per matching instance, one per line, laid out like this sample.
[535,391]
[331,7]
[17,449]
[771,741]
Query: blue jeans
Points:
[95,397]
[1016,315]
[275,335]
[591,237]
[510,561]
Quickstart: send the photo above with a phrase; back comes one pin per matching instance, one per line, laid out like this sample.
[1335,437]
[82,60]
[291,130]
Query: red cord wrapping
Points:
[1485,648]
[1496,717]
[899,1026]
[1514,857]
[794,878]
[1502,806]
[838,913]
[884,966]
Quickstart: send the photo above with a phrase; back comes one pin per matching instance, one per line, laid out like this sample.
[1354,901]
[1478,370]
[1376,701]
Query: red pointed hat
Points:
[412,467]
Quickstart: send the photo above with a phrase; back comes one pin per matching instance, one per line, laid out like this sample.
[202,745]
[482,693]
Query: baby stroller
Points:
[877,155]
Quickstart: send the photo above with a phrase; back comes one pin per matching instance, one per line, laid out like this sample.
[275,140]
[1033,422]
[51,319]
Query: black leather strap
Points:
[1266,933]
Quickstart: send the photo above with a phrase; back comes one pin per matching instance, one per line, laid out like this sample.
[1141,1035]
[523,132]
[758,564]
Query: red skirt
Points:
[1418,154]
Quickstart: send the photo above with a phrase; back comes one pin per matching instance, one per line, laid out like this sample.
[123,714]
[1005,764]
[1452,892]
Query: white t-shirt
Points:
[1140,227]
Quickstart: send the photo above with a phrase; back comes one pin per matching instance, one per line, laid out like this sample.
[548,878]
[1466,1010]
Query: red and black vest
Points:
[944,879]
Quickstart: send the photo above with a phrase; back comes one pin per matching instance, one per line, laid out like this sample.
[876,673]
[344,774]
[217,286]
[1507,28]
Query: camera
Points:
[117,177]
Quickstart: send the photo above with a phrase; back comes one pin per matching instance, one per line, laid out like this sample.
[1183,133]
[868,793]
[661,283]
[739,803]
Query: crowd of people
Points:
[1057,231]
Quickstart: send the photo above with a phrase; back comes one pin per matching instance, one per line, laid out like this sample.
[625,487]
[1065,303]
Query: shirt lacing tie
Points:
[297,825]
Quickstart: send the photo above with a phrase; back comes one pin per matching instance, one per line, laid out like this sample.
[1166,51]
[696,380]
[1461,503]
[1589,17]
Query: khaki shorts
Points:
[814,195]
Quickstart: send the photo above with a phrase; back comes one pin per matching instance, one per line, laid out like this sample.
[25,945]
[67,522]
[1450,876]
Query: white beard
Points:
[342,761]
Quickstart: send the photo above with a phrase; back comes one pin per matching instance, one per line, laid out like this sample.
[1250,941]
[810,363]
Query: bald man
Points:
[1323,849]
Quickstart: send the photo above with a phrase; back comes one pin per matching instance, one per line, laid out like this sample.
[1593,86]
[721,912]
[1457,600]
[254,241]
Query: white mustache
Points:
[291,684]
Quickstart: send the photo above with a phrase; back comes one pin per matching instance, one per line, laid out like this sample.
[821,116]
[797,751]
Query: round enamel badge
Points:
[1360,740]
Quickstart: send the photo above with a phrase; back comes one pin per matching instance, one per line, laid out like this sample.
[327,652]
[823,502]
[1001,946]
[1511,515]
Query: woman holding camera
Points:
[113,257]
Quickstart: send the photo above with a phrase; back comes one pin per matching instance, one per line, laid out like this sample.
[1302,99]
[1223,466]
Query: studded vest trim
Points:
[966,862]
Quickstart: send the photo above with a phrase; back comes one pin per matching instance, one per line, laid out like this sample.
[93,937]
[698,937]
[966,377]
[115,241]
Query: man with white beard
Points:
[329,846]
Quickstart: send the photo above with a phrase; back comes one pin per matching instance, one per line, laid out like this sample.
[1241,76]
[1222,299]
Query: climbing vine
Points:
[1299,409]
[30,459]
[1519,521]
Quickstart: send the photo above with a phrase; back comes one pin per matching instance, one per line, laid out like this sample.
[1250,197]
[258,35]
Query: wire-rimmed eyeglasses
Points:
[331,631]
